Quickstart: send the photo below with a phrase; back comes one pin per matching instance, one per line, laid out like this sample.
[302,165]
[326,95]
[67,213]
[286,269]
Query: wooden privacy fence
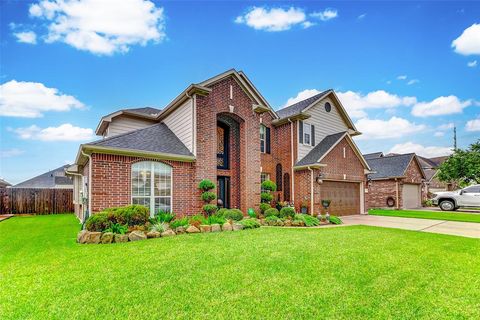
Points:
[35,201]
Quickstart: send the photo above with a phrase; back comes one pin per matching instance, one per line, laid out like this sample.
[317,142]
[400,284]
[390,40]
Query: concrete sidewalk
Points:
[464,229]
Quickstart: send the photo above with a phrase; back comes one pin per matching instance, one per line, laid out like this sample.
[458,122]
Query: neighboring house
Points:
[4,184]
[397,181]
[430,167]
[224,130]
[54,179]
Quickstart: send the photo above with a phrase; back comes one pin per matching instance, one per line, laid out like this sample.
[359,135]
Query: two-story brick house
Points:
[224,130]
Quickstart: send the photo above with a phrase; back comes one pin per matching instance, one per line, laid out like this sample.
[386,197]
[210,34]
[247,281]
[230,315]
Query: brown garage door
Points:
[345,197]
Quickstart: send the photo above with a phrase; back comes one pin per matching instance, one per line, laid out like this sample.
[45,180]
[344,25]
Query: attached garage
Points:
[345,197]
[411,196]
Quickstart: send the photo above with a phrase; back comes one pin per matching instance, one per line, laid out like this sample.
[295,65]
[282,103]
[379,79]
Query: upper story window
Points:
[306,133]
[223,137]
[264,139]
[152,185]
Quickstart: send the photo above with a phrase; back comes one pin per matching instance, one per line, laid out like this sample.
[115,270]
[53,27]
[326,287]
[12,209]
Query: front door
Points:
[223,191]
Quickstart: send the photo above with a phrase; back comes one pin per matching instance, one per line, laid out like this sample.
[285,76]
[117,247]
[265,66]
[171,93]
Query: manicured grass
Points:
[436,215]
[267,273]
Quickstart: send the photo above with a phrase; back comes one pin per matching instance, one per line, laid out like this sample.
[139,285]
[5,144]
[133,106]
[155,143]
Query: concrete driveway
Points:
[464,229]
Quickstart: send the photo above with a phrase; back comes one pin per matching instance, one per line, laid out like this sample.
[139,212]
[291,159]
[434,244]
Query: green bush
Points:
[269,185]
[163,216]
[117,228]
[183,222]
[98,222]
[250,223]
[221,212]
[286,212]
[335,220]
[206,185]
[210,208]
[215,219]
[197,220]
[264,206]
[233,214]
[271,212]
[308,220]
[208,196]
[266,197]
[273,221]
[133,215]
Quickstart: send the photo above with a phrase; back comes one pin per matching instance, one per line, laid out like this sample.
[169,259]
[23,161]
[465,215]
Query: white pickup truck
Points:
[463,198]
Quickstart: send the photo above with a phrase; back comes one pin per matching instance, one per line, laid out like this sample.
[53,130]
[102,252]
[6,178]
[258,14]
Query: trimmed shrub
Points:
[208,196]
[183,222]
[233,214]
[250,223]
[206,185]
[210,208]
[271,212]
[133,215]
[269,185]
[266,197]
[98,222]
[221,212]
[335,220]
[287,212]
[264,206]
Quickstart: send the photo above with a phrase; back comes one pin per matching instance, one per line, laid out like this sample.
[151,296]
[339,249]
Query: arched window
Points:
[286,187]
[152,185]
[278,175]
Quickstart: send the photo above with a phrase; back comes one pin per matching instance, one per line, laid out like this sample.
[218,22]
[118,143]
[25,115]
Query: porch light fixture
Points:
[319,178]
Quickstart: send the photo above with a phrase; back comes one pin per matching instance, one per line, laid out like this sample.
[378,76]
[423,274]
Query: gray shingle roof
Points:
[300,106]
[146,110]
[48,179]
[389,166]
[4,183]
[320,149]
[156,138]
[373,155]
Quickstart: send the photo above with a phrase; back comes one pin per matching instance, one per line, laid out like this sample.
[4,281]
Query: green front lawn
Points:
[436,215]
[266,273]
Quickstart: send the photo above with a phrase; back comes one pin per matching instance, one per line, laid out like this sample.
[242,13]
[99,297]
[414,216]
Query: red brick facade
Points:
[380,190]
[230,104]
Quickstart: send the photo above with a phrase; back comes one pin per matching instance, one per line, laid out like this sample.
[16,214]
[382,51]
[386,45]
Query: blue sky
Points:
[406,71]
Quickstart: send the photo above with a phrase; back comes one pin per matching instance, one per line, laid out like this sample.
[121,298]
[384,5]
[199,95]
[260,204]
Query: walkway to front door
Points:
[464,229]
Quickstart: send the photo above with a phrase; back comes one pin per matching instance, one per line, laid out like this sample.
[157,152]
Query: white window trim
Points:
[152,188]
[309,134]
[264,140]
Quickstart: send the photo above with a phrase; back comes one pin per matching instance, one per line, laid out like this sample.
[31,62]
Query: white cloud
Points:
[26,37]
[356,103]
[274,19]
[402,77]
[32,99]
[302,95]
[446,126]
[413,81]
[362,16]
[308,24]
[472,64]
[440,106]
[326,14]
[473,125]
[439,134]
[10,153]
[469,41]
[428,152]
[64,132]
[395,127]
[101,27]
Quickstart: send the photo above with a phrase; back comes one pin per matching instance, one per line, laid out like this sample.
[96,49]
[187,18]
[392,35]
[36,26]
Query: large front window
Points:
[152,185]
[223,137]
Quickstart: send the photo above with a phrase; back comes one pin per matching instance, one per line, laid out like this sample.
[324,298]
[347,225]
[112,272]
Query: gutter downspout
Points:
[397,191]
[311,190]
[293,159]
[89,182]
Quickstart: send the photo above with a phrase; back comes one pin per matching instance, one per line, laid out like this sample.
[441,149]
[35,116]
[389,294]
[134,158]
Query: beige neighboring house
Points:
[54,179]
[430,167]
[4,184]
